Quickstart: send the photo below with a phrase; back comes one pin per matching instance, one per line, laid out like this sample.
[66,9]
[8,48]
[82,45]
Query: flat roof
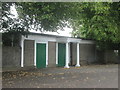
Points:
[31,33]
[50,35]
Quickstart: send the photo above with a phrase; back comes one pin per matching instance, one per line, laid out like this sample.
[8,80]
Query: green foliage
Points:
[49,16]
[99,21]
[95,20]
[10,24]
[11,39]
[5,10]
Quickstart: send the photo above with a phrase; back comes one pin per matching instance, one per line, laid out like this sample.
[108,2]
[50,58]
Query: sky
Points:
[66,32]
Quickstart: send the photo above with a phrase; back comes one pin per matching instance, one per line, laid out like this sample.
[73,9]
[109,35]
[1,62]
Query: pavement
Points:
[91,76]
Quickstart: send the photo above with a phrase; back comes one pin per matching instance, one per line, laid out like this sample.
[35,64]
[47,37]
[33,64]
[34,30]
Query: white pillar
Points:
[34,53]
[78,59]
[67,56]
[22,52]
[69,52]
[56,53]
[46,54]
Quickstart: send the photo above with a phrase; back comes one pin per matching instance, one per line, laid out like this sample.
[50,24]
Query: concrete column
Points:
[78,59]
[22,52]
[56,53]
[69,52]
[67,56]
[34,53]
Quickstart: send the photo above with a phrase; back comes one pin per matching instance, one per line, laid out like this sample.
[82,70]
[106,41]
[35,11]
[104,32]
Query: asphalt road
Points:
[91,76]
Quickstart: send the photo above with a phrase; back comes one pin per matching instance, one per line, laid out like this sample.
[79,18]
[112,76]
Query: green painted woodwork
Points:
[61,54]
[41,55]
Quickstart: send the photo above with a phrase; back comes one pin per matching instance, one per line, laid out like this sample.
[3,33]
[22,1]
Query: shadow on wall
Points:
[108,57]
[87,54]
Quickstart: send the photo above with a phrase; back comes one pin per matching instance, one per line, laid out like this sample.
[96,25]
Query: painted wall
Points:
[51,54]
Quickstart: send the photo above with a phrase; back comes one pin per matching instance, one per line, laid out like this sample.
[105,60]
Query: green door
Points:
[61,54]
[41,55]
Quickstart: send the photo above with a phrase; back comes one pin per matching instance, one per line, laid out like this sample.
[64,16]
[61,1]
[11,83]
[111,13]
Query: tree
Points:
[45,16]
[12,27]
[96,20]
[5,11]
[9,23]
[99,21]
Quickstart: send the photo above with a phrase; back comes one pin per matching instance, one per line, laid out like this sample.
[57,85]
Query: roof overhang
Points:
[64,40]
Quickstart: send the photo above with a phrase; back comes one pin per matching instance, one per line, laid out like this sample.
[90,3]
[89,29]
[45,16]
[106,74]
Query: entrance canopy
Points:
[74,40]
